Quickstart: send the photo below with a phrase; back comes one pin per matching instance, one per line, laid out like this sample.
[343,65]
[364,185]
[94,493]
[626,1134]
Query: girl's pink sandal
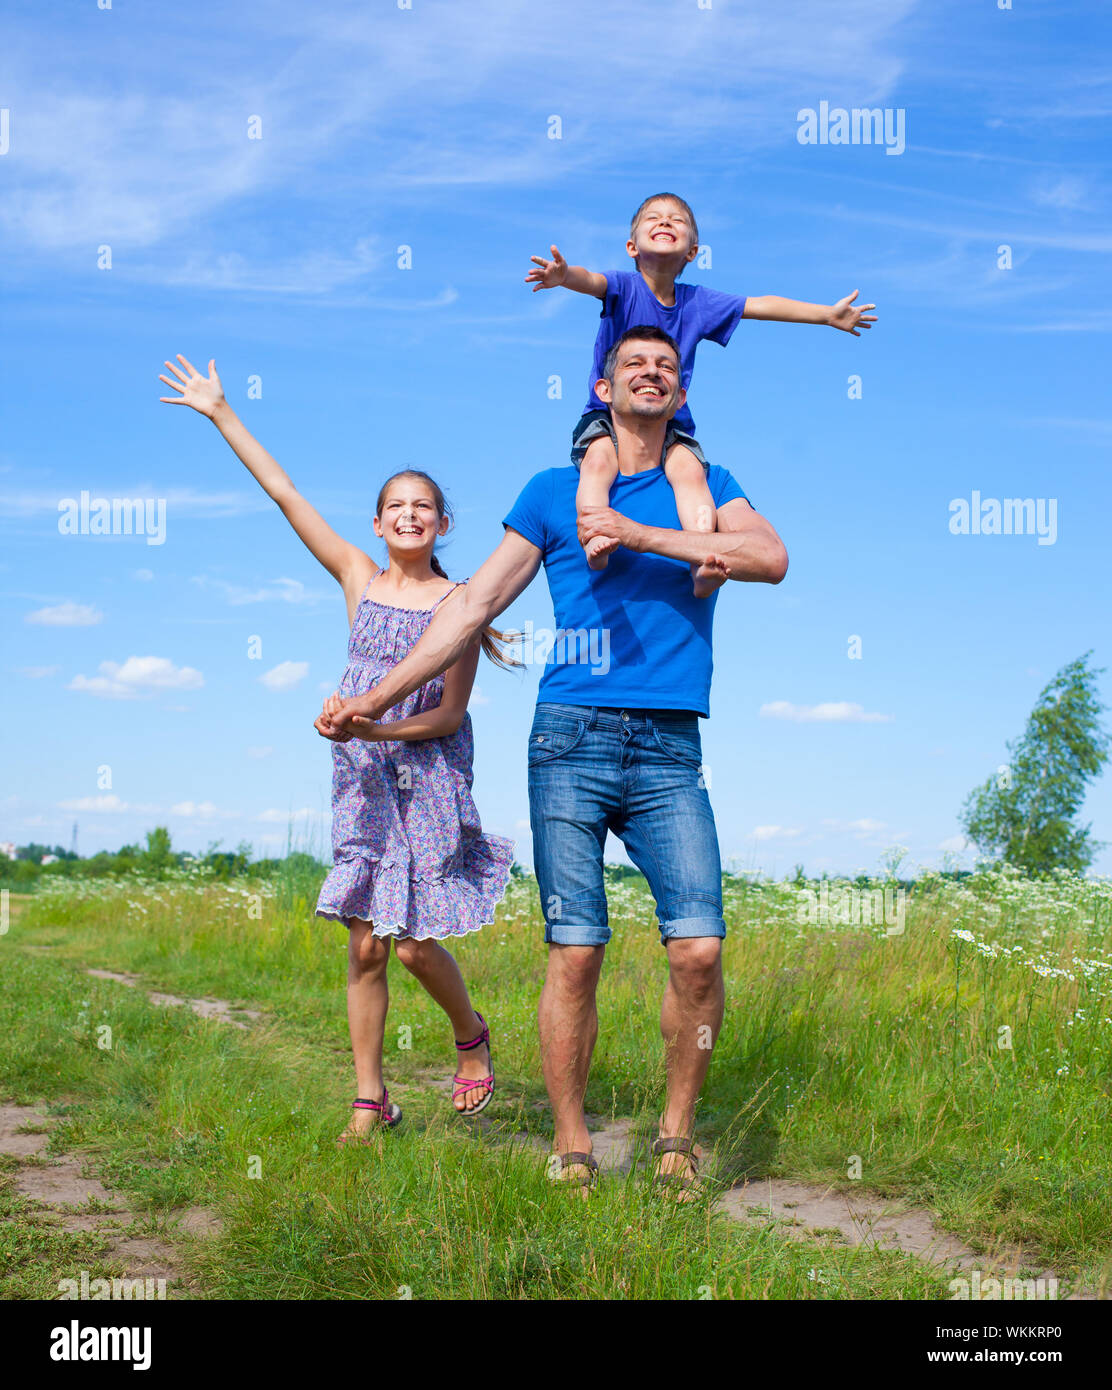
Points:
[390,1111]
[463,1084]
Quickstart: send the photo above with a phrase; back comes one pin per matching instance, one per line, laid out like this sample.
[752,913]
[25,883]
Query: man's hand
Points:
[605,521]
[550,274]
[850,319]
[364,710]
[353,726]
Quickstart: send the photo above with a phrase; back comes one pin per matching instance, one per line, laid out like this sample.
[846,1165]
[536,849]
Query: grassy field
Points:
[964,1060]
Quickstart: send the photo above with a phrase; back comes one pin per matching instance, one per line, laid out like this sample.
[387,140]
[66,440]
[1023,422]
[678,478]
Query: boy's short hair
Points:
[643,332]
[672,198]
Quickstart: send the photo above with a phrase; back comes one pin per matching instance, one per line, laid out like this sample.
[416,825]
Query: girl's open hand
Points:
[204,394]
[550,274]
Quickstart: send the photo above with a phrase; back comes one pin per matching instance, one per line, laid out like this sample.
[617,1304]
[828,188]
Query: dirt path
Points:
[803,1211]
[67,1199]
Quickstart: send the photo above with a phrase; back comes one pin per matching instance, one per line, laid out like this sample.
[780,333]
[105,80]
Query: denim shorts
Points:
[596,423]
[637,773]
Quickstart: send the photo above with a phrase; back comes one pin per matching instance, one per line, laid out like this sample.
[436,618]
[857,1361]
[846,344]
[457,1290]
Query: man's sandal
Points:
[684,1186]
[390,1113]
[463,1084]
[572,1160]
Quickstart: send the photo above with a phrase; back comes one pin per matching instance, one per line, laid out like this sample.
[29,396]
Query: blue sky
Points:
[428,128]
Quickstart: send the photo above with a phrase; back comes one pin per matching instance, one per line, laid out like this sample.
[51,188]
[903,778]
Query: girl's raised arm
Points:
[340,558]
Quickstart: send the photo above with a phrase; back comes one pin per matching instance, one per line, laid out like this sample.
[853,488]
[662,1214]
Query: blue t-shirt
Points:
[698,313]
[632,635]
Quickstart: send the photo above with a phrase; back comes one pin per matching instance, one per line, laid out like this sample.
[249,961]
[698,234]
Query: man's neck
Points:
[640,443]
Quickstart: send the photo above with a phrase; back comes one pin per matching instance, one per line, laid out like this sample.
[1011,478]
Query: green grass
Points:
[838,1041]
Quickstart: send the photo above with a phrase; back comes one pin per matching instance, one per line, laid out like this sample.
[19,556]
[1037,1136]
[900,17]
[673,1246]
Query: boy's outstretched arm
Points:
[572,277]
[844,315]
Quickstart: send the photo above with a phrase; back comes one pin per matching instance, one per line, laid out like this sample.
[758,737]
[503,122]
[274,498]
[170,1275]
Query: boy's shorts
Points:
[596,423]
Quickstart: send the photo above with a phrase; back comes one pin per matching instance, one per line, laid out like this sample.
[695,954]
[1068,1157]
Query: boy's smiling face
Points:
[663,233]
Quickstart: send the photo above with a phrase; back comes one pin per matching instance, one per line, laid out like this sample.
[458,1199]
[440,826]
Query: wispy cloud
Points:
[282,590]
[139,676]
[832,712]
[66,615]
[285,675]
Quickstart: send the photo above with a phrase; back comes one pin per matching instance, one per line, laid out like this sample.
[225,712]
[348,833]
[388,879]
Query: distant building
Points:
[7,849]
[49,859]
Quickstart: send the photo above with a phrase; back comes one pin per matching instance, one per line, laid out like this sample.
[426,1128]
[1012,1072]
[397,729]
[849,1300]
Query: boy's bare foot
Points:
[599,549]
[711,575]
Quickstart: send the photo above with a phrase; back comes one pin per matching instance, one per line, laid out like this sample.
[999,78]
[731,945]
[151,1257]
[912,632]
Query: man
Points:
[618,748]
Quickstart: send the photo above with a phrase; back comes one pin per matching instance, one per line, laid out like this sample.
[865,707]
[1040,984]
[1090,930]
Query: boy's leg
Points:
[687,474]
[597,472]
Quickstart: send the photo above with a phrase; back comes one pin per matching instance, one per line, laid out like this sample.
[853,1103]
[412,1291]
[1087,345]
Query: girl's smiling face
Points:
[409,520]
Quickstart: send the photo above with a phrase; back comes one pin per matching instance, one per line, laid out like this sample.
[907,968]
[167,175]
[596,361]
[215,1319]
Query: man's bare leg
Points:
[568,1021]
[690,1020]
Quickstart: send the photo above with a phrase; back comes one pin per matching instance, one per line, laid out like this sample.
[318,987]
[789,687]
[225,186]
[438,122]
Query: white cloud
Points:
[286,590]
[862,829]
[110,803]
[285,675]
[263,751]
[66,615]
[1064,191]
[38,673]
[954,844]
[833,712]
[477,696]
[200,810]
[774,832]
[138,676]
[273,815]
[144,576]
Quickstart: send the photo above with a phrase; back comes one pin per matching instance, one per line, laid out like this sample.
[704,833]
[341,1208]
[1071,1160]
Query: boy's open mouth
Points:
[663,232]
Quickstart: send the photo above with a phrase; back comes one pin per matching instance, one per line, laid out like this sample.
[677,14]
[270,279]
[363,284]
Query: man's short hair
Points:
[644,332]
[672,198]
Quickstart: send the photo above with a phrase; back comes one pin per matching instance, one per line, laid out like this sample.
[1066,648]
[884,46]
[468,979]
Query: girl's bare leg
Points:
[596,477]
[367,999]
[696,511]
[438,972]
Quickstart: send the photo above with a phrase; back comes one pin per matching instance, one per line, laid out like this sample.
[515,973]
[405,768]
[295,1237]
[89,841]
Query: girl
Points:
[411,861]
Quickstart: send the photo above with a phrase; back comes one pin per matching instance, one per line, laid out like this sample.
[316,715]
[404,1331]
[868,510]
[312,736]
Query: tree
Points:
[1024,814]
[158,856]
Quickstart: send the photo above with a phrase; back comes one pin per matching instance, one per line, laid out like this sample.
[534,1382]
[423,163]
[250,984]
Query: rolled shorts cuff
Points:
[682,927]
[568,934]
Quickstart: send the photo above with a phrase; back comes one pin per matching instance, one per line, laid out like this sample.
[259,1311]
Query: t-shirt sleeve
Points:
[529,514]
[618,286]
[719,314]
[724,487]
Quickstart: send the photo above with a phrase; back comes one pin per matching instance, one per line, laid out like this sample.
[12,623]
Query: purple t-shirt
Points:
[698,313]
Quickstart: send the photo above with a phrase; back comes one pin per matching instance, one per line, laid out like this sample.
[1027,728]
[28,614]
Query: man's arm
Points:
[745,540]
[844,315]
[459,620]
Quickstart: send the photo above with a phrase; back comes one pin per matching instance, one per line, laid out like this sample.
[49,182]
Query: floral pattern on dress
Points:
[408,848]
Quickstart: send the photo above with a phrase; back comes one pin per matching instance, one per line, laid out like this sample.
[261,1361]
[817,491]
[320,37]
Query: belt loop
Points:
[592,718]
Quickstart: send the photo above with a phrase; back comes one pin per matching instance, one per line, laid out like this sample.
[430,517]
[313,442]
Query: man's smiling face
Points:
[646,381]
[663,231]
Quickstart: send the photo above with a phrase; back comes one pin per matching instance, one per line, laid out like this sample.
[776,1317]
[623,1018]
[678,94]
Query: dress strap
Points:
[442,597]
[366,591]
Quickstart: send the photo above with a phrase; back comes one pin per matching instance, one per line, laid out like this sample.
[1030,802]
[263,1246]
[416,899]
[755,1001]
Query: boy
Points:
[663,238]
